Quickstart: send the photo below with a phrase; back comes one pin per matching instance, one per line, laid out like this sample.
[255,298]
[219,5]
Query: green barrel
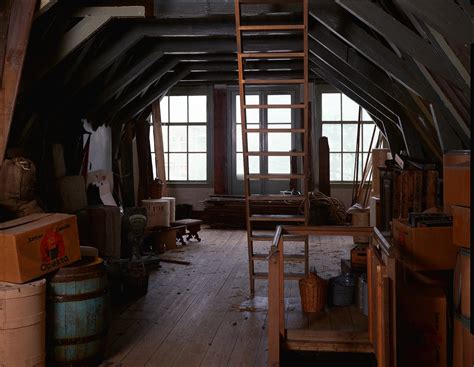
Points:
[77,306]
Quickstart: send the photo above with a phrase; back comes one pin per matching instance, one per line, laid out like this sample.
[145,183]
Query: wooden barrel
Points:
[76,313]
[22,324]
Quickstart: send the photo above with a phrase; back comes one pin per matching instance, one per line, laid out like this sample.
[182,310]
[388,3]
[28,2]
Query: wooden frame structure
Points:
[380,336]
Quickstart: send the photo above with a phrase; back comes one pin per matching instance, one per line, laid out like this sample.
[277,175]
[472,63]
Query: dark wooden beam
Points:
[444,16]
[20,20]
[405,39]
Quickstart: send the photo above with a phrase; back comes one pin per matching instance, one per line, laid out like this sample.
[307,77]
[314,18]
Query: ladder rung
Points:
[275,197]
[271,55]
[270,2]
[263,106]
[289,276]
[275,154]
[264,237]
[280,27]
[276,218]
[273,81]
[290,257]
[274,176]
[302,131]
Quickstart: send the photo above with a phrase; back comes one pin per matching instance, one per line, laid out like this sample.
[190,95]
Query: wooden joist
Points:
[19,25]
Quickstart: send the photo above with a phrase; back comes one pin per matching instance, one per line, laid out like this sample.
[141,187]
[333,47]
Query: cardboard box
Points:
[37,244]
[423,326]
[425,248]
[461,226]
[457,185]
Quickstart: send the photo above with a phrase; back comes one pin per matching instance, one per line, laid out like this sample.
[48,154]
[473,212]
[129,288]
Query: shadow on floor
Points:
[313,359]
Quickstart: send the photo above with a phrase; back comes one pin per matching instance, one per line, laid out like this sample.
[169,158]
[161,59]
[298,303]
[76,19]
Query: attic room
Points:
[235,183]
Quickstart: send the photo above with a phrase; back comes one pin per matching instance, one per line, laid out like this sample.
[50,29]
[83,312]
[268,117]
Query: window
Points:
[184,127]
[340,115]
[272,118]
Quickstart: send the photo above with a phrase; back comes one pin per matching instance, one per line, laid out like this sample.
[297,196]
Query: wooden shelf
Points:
[288,276]
[258,197]
[269,237]
[272,55]
[289,257]
[279,27]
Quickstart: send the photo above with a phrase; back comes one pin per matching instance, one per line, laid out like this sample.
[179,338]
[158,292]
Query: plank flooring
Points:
[202,315]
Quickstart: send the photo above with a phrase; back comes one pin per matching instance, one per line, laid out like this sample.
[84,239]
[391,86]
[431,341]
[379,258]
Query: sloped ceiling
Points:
[406,62]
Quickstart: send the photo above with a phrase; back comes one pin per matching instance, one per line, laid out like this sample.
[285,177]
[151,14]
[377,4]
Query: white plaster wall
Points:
[191,195]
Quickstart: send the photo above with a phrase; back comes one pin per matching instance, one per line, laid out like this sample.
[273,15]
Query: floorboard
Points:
[203,315]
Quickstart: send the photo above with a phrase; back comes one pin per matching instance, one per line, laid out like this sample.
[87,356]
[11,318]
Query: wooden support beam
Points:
[405,39]
[334,19]
[93,18]
[20,20]
[444,16]
[142,133]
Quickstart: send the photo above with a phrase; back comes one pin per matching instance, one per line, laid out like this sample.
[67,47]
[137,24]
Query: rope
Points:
[337,210]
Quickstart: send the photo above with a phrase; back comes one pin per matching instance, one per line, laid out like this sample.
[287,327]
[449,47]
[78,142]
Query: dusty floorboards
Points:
[200,315]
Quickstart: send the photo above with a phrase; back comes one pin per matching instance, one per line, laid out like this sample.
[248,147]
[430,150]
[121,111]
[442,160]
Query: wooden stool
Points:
[192,225]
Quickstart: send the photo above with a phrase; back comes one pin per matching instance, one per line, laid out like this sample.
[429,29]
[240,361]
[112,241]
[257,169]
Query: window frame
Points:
[193,91]
[323,89]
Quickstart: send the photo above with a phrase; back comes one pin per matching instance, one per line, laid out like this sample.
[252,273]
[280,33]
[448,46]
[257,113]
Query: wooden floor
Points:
[201,315]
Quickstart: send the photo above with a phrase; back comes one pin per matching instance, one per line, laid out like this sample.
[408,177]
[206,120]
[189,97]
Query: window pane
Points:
[198,167]
[167,166]
[331,106]
[253,139]
[164,109]
[254,164]
[349,137]
[197,109]
[197,139]
[178,167]
[178,109]
[279,142]
[333,133]
[152,139]
[279,115]
[177,138]
[164,130]
[335,166]
[350,109]
[253,114]
[153,164]
[348,166]
[365,116]
[368,130]
[278,164]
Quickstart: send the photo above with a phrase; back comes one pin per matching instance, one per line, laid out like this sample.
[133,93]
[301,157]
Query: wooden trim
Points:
[19,26]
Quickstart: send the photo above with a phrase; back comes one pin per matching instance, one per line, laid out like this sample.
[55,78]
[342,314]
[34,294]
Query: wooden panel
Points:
[159,153]
[19,26]
[220,140]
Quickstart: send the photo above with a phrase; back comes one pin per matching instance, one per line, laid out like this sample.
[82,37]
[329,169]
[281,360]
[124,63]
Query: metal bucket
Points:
[76,317]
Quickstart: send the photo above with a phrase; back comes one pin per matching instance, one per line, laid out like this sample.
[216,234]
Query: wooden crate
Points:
[359,257]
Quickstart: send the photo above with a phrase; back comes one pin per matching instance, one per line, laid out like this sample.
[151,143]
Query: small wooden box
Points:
[359,257]
[461,226]
[166,237]
[425,248]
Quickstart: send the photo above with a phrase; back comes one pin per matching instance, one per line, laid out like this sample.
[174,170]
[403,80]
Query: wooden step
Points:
[275,154]
[276,218]
[263,237]
[271,55]
[289,276]
[300,131]
[276,197]
[272,81]
[264,106]
[289,257]
[274,176]
[278,27]
[270,2]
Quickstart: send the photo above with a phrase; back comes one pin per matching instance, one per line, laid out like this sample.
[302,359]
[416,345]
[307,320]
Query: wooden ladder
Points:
[251,218]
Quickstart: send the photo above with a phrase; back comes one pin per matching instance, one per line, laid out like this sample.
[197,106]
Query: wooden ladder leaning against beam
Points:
[299,135]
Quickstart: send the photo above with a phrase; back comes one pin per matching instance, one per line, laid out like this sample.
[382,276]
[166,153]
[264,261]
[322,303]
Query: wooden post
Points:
[324,167]
[159,150]
[220,140]
[19,26]
[273,308]
[142,132]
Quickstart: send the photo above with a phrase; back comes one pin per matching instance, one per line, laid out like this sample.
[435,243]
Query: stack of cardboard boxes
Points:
[457,202]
